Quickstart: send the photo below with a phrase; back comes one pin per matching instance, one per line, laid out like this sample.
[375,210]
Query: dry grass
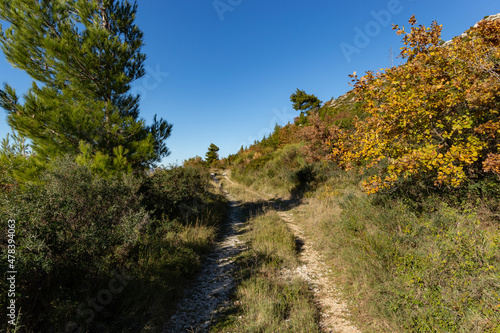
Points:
[272,305]
[197,236]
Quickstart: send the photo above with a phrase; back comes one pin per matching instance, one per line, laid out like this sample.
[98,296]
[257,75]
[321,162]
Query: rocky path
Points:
[328,298]
[209,293]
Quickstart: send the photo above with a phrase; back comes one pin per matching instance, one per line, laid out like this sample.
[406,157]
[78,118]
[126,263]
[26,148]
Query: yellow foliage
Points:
[435,116]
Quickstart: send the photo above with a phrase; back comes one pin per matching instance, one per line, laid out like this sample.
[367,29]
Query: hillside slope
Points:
[398,183]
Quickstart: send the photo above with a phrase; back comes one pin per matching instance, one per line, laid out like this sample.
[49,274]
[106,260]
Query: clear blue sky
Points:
[223,71]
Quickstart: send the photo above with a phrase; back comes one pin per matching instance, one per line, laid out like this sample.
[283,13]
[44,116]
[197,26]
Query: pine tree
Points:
[304,102]
[82,55]
[212,155]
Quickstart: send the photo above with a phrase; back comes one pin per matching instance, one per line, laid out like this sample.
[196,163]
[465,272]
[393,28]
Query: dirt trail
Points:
[327,296]
[209,293]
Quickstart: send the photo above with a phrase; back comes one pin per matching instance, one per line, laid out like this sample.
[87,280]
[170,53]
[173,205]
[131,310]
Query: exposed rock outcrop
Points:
[489,18]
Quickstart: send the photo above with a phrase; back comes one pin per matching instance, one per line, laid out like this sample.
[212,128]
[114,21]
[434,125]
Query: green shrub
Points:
[177,192]
[71,227]
[74,229]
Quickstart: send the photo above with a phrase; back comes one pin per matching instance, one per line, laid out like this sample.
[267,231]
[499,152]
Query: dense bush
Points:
[70,228]
[177,192]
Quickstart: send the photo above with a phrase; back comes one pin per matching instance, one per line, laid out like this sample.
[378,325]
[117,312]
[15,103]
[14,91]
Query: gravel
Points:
[209,294]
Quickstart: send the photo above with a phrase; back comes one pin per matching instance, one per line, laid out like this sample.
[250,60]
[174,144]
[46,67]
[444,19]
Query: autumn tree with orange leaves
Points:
[436,116]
